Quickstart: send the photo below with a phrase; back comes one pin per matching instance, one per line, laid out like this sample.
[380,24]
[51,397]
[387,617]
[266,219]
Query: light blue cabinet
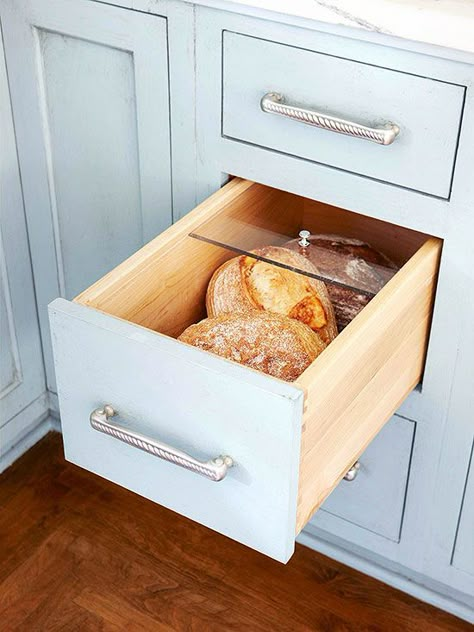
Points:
[463,554]
[401,519]
[89,87]
[121,122]
[452,541]
[385,465]
[22,382]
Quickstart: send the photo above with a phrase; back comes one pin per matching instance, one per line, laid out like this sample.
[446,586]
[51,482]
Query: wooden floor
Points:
[79,553]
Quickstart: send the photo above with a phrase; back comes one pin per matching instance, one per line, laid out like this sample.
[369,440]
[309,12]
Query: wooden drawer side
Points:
[360,380]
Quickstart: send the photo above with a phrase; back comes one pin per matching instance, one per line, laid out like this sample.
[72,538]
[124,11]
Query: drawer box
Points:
[375,499]
[427,111]
[291,442]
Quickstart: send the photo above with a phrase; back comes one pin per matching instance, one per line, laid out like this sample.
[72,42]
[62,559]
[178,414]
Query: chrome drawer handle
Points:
[214,469]
[352,472]
[274,103]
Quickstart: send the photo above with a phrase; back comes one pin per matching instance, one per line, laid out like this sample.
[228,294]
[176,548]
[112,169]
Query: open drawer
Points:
[290,443]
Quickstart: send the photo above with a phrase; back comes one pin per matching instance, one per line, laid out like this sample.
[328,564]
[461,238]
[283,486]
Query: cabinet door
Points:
[21,363]
[89,87]
[375,499]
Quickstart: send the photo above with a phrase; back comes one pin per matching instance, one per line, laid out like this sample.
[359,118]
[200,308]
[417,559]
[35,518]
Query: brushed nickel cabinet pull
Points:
[214,469]
[274,103]
[352,472]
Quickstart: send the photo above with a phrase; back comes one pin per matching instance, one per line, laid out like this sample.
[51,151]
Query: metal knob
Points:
[303,242]
[352,472]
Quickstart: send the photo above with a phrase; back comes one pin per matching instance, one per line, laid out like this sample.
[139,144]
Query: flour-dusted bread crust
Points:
[348,261]
[245,283]
[265,341]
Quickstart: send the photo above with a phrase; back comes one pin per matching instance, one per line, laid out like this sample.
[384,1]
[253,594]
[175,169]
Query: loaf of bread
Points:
[265,341]
[351,262]
[244,284]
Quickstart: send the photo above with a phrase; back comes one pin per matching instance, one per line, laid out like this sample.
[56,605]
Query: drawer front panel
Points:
[428,112]
[375,499]
[181,396]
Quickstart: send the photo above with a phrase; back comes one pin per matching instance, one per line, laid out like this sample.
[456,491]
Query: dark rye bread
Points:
[349,261]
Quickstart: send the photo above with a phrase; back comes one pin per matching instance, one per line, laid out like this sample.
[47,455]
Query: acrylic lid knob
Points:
[303,242]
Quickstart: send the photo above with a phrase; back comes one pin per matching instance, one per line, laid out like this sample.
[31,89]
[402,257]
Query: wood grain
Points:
[79,553]
[356,385]
[163,285]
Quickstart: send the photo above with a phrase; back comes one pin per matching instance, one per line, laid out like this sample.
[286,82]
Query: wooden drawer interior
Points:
[357,383]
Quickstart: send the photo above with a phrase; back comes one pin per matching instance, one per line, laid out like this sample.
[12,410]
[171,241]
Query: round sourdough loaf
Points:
[245,283]
[265,341]
[349,261]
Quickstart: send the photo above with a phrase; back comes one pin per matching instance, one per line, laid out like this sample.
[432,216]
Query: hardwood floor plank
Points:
[194,548]
[113,610]
[193,570]
[36,580]
[61,613]
[79,553]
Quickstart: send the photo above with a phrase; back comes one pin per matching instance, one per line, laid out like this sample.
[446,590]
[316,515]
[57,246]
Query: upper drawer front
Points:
[428,112]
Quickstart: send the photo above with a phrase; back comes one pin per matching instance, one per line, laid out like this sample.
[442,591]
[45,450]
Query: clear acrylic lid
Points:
[346,260]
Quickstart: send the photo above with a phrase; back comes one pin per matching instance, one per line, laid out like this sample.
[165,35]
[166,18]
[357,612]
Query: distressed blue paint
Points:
[22,380]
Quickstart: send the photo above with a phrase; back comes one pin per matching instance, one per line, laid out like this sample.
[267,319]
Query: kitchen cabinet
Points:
[90,94]
[126,115]
[286,153]
[22,383]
